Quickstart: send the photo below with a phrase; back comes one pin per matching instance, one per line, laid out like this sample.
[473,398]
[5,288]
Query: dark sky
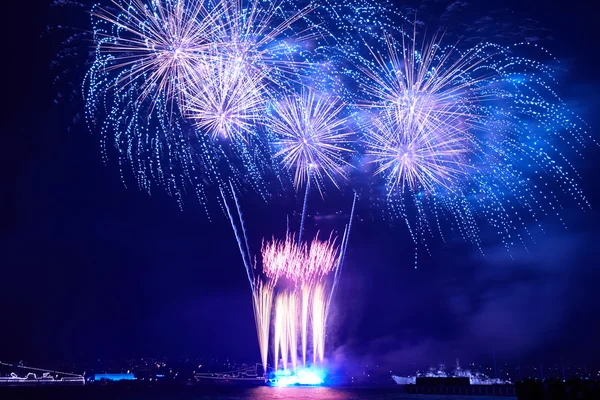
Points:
[91,269]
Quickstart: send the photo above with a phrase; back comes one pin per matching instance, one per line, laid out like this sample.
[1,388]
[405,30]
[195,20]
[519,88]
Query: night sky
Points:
[92,269]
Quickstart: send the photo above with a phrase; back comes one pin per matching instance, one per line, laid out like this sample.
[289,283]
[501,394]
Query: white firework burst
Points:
[311,137]
[226,99]
[412,158]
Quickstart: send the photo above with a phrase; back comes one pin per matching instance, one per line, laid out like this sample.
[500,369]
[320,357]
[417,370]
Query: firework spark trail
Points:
[282,318]
[318,322]
[244,251]
[292,319]
[343,246]
[304,204]
[262,297]
[241,218]
[277,331]
[306,292]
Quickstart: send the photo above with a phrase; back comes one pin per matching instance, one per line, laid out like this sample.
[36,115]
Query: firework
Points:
[311,137]
[420,135]
[225,99]
[160,42]
[464,133]
[179,87]
[413,158]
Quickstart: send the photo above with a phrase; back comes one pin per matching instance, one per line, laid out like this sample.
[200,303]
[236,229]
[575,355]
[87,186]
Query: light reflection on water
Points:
[325,393]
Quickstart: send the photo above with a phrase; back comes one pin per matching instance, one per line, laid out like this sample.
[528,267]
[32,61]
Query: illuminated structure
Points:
[30,376]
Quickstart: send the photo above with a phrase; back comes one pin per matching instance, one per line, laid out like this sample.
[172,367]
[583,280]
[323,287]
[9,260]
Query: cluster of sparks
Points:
[420,134]
[295,285]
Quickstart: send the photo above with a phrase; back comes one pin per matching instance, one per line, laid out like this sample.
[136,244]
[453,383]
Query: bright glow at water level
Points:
[302,376]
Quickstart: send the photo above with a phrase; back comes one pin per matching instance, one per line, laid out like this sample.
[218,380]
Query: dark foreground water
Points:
[211,393]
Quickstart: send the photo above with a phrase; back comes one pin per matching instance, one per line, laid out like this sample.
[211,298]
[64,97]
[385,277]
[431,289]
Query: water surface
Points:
[225,393]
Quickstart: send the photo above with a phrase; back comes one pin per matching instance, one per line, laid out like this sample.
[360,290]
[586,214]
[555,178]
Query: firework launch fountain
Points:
[292,285]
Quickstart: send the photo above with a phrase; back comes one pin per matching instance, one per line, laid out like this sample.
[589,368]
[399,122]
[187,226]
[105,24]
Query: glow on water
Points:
[303,376]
